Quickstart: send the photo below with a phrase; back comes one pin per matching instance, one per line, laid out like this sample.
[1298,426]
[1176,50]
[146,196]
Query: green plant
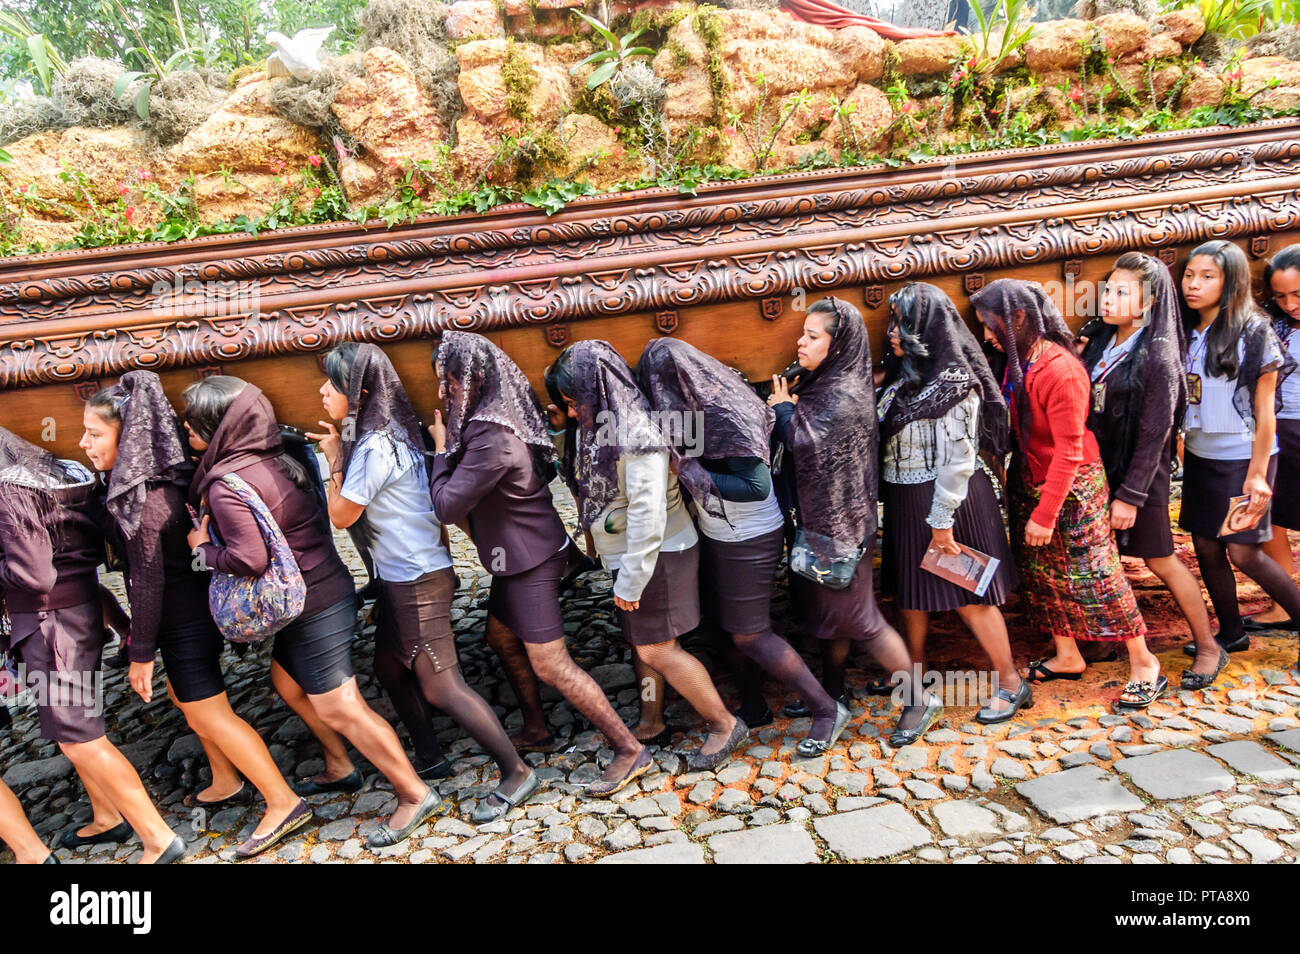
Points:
[618,52]
[1002,33]
[1232,18]
[758,129]
[44,57]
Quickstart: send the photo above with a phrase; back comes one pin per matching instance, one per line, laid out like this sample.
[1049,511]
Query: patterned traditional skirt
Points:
[1075,585]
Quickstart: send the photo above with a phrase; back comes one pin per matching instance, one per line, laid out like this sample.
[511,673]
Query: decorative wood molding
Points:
[214,301]
[772,308]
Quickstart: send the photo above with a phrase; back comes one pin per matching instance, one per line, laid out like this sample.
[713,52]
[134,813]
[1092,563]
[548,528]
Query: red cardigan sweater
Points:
[1059,392]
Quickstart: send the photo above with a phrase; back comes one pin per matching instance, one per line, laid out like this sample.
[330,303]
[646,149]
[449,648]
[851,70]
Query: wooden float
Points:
[729,270]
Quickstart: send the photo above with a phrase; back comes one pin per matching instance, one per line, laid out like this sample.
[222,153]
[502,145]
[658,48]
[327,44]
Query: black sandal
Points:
[1147,693]
[1038,672]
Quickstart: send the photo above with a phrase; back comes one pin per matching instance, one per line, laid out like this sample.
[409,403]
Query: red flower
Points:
[618,151]
[825,113]
[122,190]
[277,166]
[907,108]
[1235,75]
[316,190]
[315,161]
[618,130]
[1075,94]
[21,190]
[729,130]
[488,175]
[971,64]
[129,212]
[392,163]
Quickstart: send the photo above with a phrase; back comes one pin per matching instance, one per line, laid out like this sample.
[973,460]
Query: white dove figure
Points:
[296,57]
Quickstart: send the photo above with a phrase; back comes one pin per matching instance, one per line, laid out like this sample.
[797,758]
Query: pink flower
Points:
[1235,75]
[488,175]
[144,174]
[277,166]
[1109,43]
[122,190]
[729,130]
[315,161]
[618,151]
[1075,94]
[971,64]
[618,130]
[824,114]
[907,108]
[129,212]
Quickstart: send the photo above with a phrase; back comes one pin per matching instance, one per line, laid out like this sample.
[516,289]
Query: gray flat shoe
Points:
[810,747]
[485,811]
[385,836]
[707,763]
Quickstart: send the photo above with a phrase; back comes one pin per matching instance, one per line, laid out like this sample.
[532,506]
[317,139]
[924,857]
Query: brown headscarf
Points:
[248,433]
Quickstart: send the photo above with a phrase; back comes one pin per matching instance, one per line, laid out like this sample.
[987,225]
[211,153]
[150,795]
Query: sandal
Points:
[384,835]
[642,764]
[1147,693]
[485,811]
[1038,672]
[1195,680]
[810,747]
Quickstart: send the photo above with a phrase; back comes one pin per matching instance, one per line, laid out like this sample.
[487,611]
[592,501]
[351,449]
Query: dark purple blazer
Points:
[34,575]
[494,485]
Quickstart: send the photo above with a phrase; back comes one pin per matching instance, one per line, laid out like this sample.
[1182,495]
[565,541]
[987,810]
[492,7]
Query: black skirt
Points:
[316,650]
[191,653]
[1286,506]
[1207,486]
[669,604]
[977,524]
[736,580]
[529,602]
[1151,535]
[850,613]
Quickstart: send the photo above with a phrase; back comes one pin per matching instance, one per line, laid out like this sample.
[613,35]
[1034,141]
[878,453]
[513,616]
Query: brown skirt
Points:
[529,602]
[1286,505]
[978,524]
[1207,486]
[60,651]
[736,580]
[850,613]
[416,618]
[669,604]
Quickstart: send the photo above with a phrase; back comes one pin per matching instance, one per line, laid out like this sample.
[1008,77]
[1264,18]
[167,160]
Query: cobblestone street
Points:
[1201,777]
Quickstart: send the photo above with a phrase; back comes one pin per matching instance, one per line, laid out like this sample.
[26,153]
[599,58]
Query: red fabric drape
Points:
[824,13]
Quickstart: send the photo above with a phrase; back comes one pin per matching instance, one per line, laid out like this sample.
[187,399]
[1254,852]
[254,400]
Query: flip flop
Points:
[1146,691]
[1038,672]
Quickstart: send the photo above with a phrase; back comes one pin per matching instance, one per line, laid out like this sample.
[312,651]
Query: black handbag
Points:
[832,574]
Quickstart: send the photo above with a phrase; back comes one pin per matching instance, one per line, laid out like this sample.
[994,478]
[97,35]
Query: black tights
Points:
[779,659]
[408,701]
[448,691]
[1216,573]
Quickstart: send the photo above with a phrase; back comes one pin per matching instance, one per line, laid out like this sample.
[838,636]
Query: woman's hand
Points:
[781,392]
[141,679]
[941,539]
[1122,515]
[1256,485]
[556,418]
[1036,535]
[328,441]
[199,535]
[438,431]
[625,606]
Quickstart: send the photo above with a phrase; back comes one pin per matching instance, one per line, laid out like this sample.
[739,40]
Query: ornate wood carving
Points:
[93,314]
[972,282]
[772,308]
[666,321]
[874,296]
[1259,245]
[1072,267]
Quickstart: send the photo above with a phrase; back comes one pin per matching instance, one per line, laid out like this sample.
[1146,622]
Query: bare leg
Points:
[1278,548]
[17,832]
[345,711]
[338,764]
[688,676]
[213,719]
[112,773]
[523,680]
[653,692]
[556,667]
[101,803]
[1187,594]
[989,628]
[1067,657]
[225,778]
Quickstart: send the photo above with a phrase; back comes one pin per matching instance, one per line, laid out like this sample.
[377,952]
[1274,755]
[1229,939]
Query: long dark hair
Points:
[338,363]
[1236,306]
[907,369]
[559,385]
[1283,261]
[1130,376]
[206,403]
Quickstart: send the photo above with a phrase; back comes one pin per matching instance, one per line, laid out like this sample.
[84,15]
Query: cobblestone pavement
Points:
[1201,777]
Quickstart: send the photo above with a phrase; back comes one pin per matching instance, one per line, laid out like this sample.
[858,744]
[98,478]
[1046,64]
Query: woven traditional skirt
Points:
[1286,505]
[978,524]
[1075,585]
[1207,486]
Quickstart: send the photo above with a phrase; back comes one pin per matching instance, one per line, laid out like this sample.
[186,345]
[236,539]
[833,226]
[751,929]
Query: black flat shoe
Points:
[1251,625]
[1195,680]
[348,783]
[1022,698]
[1237,644]
[798,709]
[112,836]
[756,720]
[241,796]
[172,852]
[435,770]
[51,860]
[902,737]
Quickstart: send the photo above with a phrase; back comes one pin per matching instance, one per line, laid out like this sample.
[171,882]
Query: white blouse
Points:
[952,442]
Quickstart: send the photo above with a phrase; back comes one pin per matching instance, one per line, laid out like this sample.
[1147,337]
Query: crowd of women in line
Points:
[1091,425]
